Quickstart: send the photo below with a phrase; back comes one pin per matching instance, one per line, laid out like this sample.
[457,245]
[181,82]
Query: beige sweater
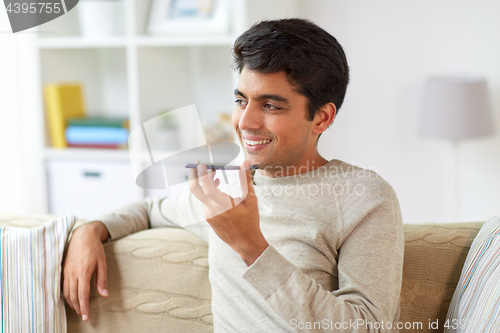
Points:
[334,262]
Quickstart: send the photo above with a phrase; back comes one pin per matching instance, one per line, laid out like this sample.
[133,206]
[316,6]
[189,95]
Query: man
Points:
[314,244]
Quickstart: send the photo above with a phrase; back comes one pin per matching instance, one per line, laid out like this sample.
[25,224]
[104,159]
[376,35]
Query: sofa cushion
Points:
[30,274]
[157,282]
[476,303]
[434,256]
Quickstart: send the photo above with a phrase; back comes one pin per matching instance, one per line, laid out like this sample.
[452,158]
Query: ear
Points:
[324,118]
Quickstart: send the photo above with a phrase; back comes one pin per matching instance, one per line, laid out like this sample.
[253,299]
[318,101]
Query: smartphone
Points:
[221,167]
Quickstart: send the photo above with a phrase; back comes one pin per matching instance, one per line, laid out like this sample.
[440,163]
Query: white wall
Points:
[392,46]
[17,175]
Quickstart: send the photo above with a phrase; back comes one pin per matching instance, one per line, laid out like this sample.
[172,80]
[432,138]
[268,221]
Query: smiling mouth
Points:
[257,143]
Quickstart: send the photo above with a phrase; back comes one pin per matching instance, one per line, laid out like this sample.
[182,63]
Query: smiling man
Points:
[309,244]
[271,120]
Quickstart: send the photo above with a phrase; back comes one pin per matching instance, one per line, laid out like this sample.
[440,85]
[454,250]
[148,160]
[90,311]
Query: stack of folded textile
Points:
[97,132]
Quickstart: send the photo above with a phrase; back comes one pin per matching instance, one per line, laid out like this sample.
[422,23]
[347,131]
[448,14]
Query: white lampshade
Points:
[456,107]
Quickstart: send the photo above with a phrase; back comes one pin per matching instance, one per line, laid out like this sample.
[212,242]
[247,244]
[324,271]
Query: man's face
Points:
[270,121]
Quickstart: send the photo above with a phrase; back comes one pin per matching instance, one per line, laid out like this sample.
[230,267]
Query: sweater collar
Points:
[304,177]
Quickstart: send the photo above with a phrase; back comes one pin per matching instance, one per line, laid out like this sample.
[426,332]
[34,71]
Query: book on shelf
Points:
[100,146]
[96,135]
[98,132]
[62,102]
[99,122]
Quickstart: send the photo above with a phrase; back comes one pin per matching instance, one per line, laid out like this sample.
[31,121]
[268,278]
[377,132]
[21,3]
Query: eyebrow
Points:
[265,96]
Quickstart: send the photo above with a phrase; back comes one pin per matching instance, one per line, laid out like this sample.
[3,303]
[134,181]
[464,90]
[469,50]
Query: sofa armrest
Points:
[433,261]
[157,282]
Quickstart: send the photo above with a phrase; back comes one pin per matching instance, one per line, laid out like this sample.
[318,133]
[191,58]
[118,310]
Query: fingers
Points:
[204,187]
[212,174]
[102,280]
[194,186]
[73,295]
[83,296]
[206,180]
[66,292]
[76,291]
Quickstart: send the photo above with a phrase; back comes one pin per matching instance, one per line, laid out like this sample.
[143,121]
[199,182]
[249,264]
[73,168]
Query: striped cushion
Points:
[30,277]
[475,306]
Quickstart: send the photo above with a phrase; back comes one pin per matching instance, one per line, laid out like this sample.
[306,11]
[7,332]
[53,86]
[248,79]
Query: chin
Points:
[252,161]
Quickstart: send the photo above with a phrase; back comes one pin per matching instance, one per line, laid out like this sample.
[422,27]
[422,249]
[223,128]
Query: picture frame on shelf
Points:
[189,17]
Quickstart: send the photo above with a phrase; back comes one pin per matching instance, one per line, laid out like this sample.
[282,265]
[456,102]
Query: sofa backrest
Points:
[433,261]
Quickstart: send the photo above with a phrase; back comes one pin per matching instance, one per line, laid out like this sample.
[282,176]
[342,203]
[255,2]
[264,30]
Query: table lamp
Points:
[456,107]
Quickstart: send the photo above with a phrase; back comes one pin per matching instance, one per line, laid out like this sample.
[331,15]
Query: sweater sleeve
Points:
[184,210]
[153,212]
[370,264]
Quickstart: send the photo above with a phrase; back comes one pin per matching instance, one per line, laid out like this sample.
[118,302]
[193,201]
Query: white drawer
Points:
[88,189]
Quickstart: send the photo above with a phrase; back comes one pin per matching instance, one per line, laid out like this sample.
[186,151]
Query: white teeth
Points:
[254,143]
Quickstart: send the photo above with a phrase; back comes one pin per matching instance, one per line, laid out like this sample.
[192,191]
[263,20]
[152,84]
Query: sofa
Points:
[158,278]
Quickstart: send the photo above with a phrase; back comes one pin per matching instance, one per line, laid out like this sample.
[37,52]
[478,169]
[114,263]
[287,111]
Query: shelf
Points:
[184,41]
[81,154]
[81,42]
[131,74]
[109,155]
[147,41]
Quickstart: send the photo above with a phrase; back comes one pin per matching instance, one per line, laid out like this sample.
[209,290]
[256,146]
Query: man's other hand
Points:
[85,255]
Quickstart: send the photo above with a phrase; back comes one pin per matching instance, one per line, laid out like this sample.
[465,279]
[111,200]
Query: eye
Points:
[240,102]
[270,106]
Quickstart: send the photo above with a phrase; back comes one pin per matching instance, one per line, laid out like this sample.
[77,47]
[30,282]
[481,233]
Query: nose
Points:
[251,118]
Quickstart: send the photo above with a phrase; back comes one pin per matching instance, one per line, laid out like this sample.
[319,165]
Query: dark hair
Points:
[313,60]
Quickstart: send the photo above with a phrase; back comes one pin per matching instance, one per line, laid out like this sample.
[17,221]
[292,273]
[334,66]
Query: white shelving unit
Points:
[135,75]
[131,74]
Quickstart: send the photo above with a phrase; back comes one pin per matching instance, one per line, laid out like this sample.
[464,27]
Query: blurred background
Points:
[72,89]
